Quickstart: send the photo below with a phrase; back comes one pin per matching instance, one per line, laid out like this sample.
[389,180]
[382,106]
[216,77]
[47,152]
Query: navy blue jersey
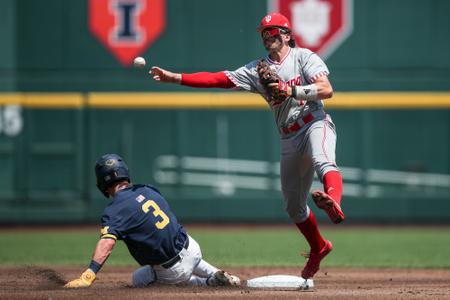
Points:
[141,217]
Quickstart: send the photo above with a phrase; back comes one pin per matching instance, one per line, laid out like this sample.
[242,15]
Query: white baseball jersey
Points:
[304,149]
[300,67]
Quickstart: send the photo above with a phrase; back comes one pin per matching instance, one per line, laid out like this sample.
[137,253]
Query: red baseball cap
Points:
[274,20]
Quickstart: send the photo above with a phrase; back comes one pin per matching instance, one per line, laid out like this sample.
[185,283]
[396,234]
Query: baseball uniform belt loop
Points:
[168,264]
[296,126]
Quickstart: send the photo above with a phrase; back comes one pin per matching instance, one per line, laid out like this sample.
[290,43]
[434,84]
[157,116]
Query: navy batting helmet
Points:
[109,169]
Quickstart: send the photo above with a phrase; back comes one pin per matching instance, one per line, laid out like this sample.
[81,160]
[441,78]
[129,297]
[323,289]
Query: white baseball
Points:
[139,62]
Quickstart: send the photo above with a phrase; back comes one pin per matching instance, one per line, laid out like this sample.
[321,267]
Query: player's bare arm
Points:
[162,75]
[103,250]
[324,88]
[319,90]
[101,253]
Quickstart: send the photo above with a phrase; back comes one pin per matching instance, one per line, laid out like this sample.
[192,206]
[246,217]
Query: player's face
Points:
[272,39]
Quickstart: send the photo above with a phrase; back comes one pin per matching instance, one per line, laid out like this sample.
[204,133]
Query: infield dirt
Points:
[330,283]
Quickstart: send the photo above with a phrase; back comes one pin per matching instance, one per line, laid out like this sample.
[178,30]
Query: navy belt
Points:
[168,264]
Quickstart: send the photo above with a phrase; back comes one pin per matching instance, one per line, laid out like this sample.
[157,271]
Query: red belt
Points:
[296,126]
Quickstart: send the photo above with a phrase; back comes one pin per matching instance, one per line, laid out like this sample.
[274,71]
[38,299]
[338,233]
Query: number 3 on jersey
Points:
[157,212]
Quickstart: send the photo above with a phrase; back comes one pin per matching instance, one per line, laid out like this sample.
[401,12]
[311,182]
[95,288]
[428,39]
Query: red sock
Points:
[310,230]
[332,184]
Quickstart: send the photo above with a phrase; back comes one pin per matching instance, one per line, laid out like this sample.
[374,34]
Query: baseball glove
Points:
[276,89]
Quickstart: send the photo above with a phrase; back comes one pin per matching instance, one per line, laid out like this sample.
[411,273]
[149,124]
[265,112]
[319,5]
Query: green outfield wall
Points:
[215,156]
[47,45]
[65,99]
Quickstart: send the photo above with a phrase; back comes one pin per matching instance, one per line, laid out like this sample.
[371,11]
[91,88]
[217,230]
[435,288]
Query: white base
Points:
[281,281]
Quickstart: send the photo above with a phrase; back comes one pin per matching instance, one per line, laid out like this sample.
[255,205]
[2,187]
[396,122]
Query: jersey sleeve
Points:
[111,226]
[313,66]
[207,80]
[245,78]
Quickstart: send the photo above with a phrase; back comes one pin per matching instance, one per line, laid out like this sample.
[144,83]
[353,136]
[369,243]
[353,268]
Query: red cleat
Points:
[313,263]
[329,205]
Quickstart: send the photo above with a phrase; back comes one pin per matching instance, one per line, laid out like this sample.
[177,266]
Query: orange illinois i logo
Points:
[127,27]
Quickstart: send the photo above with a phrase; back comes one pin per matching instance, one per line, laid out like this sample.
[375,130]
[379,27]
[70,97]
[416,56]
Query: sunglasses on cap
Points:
[271,32]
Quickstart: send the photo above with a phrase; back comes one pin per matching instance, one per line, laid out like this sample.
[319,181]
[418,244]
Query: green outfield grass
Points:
[279,246]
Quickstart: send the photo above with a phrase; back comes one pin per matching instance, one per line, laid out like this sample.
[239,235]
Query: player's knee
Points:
[185,276]
[324,167]
[299,216]
[143,276]
[297,211]
[295,205]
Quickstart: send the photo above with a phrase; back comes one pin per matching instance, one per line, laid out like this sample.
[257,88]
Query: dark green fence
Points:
[394,45]
[217,164]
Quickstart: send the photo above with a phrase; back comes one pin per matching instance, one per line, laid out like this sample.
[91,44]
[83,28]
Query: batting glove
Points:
[85,280]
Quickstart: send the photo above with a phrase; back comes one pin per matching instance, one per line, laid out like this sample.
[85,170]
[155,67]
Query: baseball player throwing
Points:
[140,216]
[294,82]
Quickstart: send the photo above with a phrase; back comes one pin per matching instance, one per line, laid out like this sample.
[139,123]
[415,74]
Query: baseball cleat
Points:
[314,259]
[329,205]
[222,278]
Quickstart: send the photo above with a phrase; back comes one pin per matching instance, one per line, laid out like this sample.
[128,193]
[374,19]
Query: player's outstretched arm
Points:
[101,253]
[196,80]
[162,75]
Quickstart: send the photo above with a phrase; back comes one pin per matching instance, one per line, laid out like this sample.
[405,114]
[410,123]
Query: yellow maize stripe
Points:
[43,100]
[389,100]
[247,100]
[109,236]
[10,98]
[221,100]
[104,230]
[176,100]
[242,100]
